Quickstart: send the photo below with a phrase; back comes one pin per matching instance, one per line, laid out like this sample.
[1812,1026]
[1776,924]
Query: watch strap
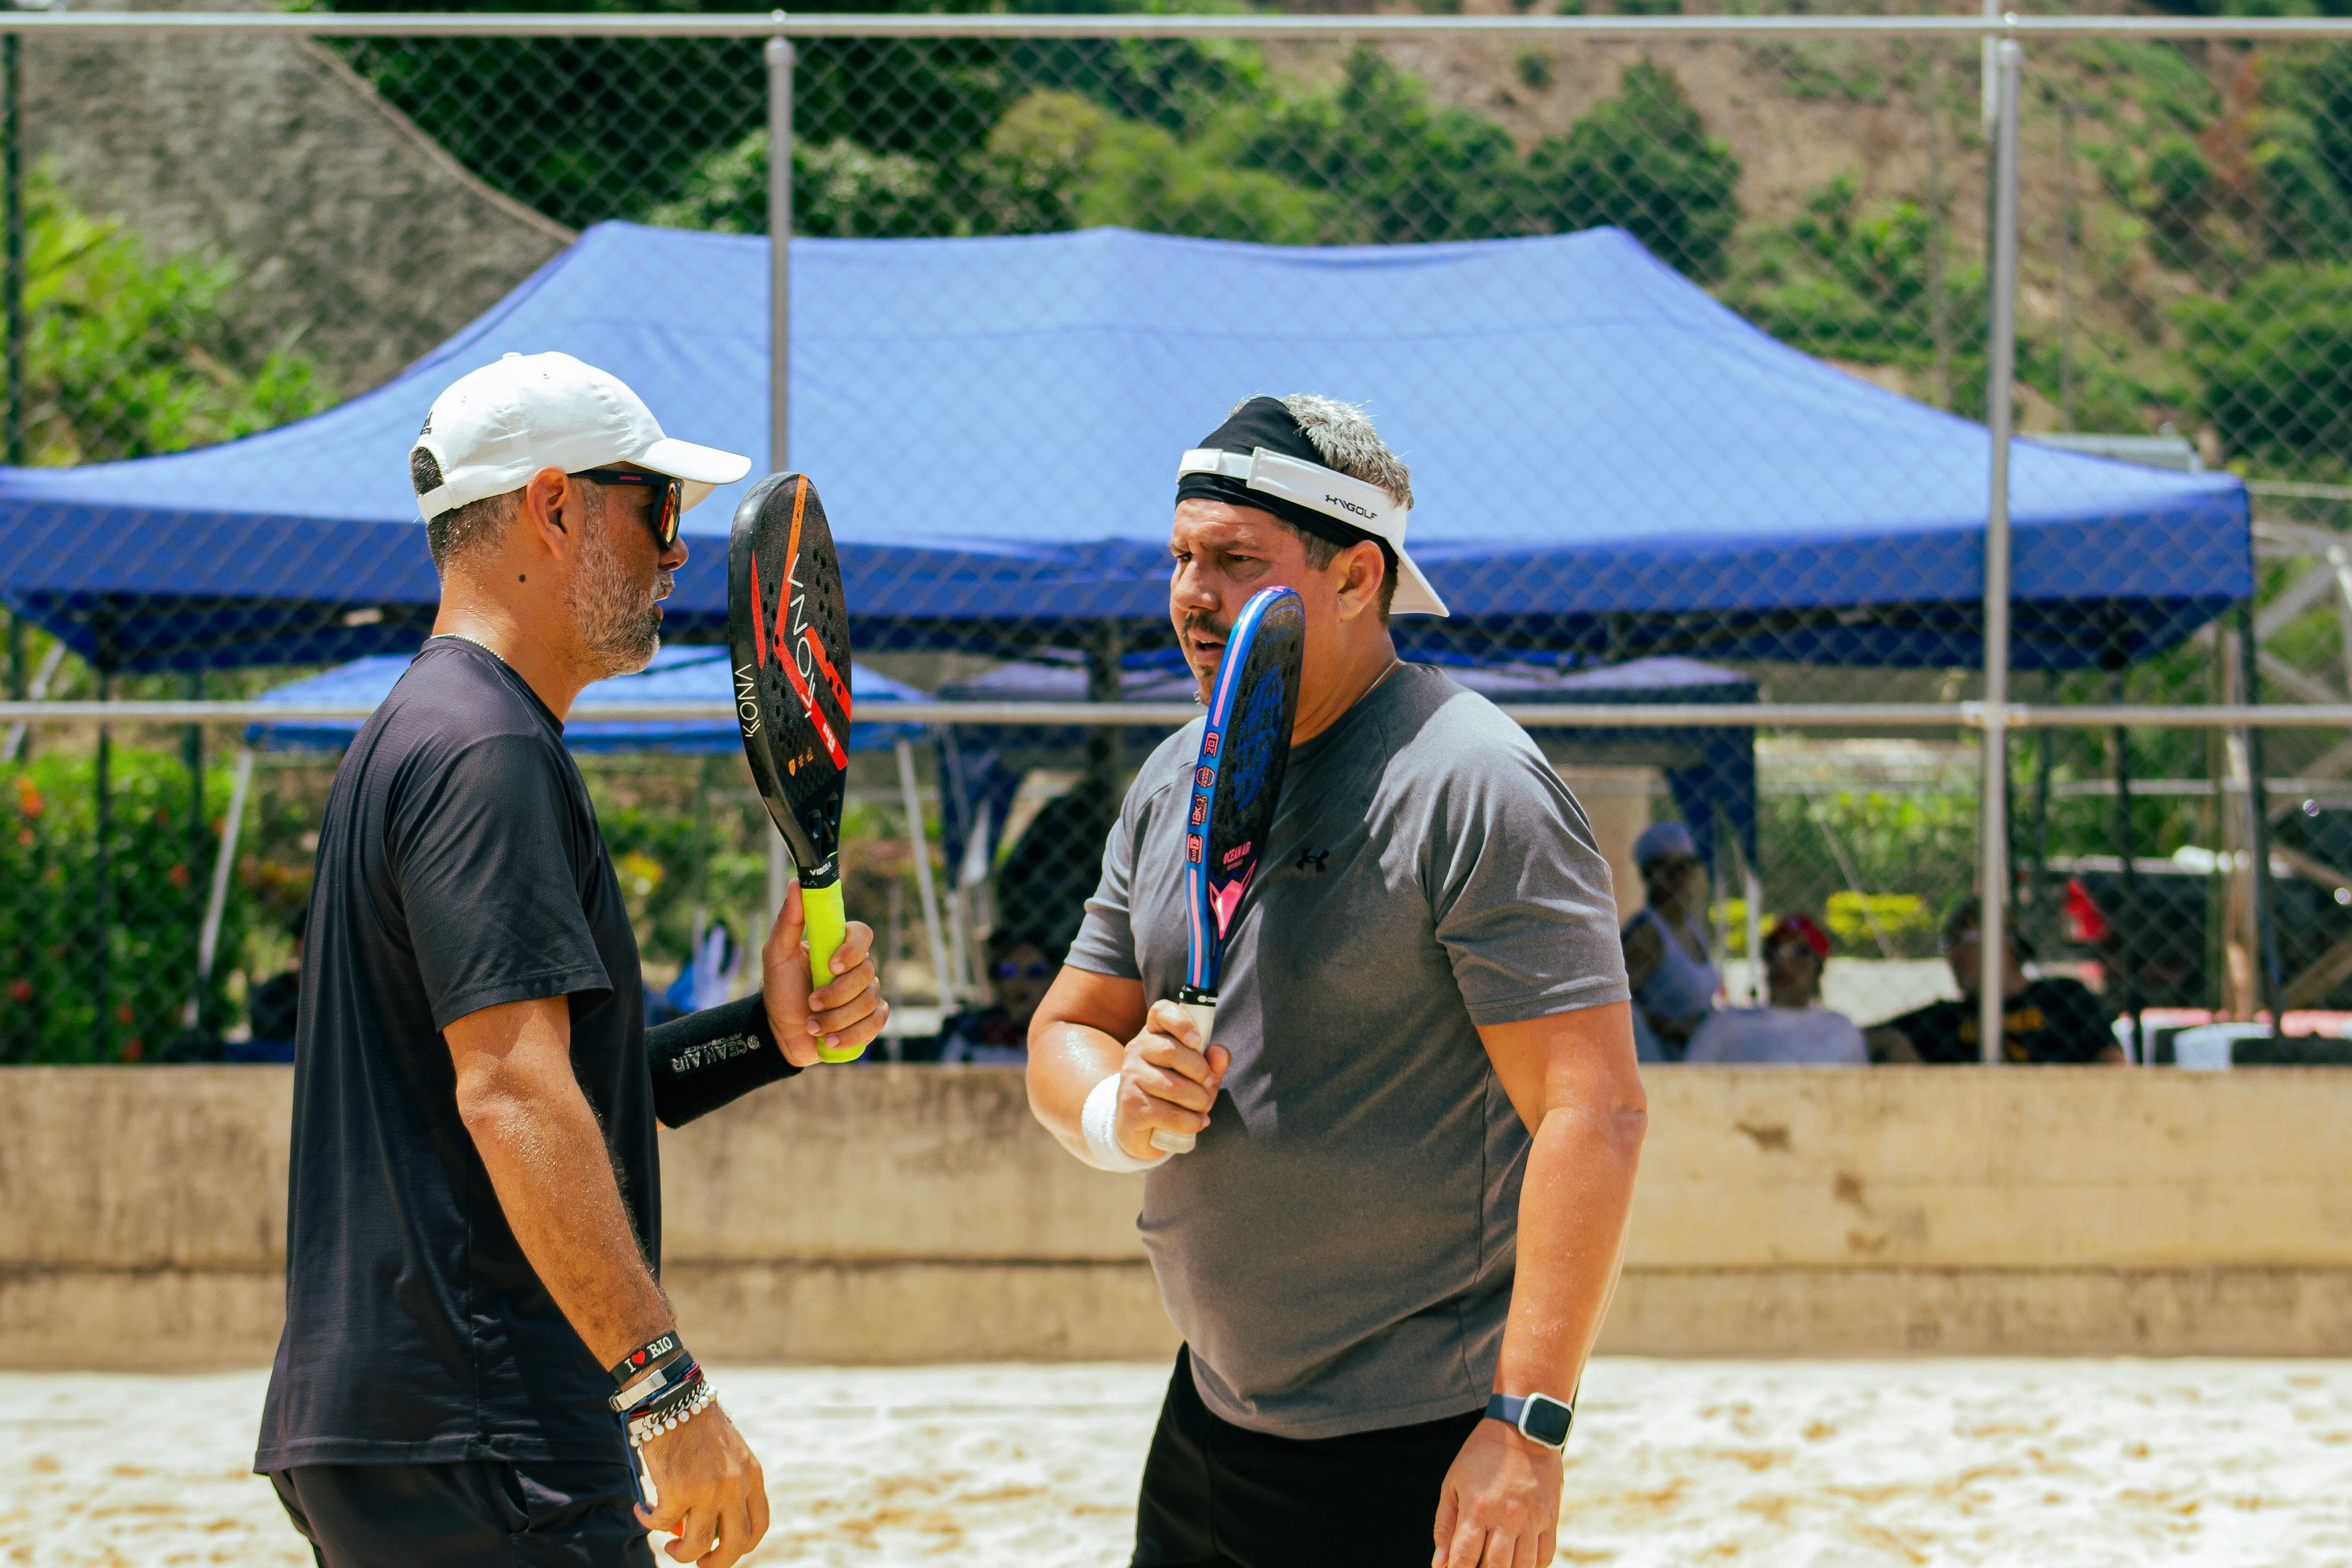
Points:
[1511,1410]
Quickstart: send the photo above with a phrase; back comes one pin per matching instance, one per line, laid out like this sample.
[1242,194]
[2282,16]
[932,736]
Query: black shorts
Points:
[1219,1496]
[482,1513]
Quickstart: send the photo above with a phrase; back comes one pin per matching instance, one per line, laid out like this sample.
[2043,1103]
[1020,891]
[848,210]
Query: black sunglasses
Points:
[1019,971]
[665,520]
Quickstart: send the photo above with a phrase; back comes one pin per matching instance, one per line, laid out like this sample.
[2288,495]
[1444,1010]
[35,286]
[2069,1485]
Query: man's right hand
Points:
[1169,1080]
[711,1493]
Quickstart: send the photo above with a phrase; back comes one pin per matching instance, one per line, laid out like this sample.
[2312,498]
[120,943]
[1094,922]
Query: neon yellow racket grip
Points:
[826,925]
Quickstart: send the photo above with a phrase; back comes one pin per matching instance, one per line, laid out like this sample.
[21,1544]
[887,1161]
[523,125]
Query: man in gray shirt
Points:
[1424,1053]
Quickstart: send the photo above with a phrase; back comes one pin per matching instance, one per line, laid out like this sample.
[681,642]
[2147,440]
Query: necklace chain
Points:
[487,649]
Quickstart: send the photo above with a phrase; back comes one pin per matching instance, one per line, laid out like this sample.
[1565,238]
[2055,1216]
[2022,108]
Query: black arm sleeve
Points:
[706,1059]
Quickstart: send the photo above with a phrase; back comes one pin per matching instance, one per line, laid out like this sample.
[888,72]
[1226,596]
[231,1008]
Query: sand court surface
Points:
[1811,1463]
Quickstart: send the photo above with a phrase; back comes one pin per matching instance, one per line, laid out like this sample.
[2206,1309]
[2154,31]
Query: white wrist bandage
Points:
[1099,1123]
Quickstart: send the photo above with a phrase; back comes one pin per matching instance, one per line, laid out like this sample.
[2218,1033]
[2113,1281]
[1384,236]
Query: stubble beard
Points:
[616,615]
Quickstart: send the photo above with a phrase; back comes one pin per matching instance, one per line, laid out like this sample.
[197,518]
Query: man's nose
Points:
[1193,588]
[675,556]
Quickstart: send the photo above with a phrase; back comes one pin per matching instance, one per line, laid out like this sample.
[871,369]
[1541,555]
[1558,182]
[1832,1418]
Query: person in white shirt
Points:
[1793,1030]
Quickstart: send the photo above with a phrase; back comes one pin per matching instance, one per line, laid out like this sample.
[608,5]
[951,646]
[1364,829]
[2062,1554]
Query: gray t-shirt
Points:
[1338,1250]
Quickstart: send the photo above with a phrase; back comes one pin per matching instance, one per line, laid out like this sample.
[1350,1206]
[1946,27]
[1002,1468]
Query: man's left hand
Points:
[1500,1504]
[847,1011]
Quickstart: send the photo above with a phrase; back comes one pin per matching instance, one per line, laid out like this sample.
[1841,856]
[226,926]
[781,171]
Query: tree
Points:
[840,191]
[1643,162]
[2276,361]
[129,356]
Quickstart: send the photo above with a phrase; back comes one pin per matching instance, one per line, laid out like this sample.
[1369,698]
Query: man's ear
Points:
[1360,567]
[554,508]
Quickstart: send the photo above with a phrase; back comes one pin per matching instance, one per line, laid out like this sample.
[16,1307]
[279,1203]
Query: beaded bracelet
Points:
[646,1428]
[669,1398]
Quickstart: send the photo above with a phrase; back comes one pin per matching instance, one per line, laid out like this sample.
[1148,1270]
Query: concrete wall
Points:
[915,1213]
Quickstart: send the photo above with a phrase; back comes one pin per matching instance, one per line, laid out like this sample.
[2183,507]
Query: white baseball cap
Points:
[496,427]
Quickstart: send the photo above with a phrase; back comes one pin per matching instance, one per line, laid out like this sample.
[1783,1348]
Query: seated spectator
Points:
[2048,1020]
[272,1007]
[709,977]
[1667,961]
[1051,871]
[1792,1029]
[1020,969]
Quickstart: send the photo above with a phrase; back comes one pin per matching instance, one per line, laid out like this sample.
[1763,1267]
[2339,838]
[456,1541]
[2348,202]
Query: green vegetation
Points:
[2275,360]
[1372,161]
[1643,161]
[1853,282]
[129,354]
[51,959]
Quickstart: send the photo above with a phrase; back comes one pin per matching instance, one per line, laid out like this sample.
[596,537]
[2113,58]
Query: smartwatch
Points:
[1539,1418]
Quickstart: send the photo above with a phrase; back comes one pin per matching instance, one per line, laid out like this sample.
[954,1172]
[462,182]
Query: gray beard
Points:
[617,622]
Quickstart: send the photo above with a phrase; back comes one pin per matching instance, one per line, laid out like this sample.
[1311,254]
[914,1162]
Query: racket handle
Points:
[826,925]
[1205,1018]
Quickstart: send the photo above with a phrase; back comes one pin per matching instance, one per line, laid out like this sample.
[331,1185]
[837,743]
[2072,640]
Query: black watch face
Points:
[1546,1420]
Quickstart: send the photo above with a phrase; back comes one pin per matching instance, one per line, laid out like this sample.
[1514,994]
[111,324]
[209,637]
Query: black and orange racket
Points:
[788,636]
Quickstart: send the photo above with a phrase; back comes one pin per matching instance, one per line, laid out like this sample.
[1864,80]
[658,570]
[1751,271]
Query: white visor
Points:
[1342,496]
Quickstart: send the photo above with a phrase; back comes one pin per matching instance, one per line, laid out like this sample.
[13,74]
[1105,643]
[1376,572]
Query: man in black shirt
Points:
[473,1222]
[2048,1020]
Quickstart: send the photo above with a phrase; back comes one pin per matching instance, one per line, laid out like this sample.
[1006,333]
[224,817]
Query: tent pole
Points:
[779,251]
[18,747]
[224,860]
[1993,833]
[2128,922]
[2267,977]
[1753,894]
[920,847]
[103,905]
[192,757]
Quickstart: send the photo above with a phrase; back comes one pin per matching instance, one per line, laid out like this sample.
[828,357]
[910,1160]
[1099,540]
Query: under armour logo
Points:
[1315,858]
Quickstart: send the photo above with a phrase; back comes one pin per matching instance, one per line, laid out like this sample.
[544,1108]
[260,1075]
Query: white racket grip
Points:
[1205,1018]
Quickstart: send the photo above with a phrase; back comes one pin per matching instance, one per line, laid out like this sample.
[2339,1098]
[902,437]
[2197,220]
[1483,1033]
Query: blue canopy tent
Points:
[675,675]
[698,675]
[1608,462]
[1710,771]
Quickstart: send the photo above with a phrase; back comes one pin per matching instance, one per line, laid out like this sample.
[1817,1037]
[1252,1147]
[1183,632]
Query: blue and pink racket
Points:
[1235,781]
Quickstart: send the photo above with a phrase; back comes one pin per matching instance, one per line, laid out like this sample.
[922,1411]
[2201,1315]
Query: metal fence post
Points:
[2001,373]
[780,250]
[12,235]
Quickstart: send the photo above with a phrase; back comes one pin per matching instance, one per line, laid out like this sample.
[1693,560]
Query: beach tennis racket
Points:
[1244,749]
[787,638]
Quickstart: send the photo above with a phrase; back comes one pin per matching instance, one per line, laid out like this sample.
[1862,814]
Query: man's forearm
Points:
[1573,1207]
[553,1178]
[1066,1060]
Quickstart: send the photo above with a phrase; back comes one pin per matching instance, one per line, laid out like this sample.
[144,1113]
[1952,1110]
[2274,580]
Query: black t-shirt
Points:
[459,867]
[2049,1021]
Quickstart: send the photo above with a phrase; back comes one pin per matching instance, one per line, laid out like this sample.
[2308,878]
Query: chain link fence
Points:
[1690,326]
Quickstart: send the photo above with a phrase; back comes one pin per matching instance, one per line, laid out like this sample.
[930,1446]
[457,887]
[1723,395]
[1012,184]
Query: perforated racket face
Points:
[788,634]
[1238,775]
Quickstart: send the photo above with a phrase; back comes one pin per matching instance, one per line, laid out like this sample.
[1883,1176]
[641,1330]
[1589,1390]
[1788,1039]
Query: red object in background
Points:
[2086,923]
[1806,931]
